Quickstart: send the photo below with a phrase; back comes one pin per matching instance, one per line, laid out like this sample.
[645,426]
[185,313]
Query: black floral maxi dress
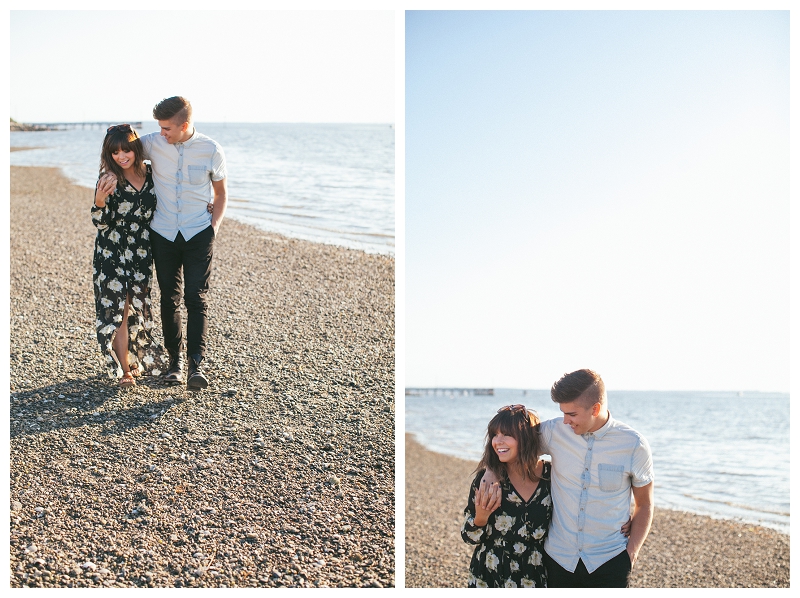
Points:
[123,265]
[510,547]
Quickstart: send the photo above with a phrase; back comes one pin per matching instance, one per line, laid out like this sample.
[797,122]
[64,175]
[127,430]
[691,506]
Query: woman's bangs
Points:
[503,423]
[123,143]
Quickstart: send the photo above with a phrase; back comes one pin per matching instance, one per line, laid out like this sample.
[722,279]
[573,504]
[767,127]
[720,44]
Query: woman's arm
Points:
[476,516]
[101,210]
[105,187]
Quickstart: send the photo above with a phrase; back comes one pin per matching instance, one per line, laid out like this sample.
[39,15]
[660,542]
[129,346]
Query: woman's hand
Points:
[487,499]
[210,207]
[626,528]
[105,187]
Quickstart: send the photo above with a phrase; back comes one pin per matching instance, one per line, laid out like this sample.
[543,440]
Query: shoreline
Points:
[280,474]
[385,250]
[682,549]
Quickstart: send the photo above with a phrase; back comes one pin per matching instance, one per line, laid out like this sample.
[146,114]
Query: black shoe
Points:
[174,374]
[196,379]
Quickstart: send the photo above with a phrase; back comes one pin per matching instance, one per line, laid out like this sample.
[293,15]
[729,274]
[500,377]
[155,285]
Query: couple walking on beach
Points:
[169,210]
[566,523]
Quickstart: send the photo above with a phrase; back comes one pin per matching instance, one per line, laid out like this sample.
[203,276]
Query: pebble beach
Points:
[683,550]
[280,474]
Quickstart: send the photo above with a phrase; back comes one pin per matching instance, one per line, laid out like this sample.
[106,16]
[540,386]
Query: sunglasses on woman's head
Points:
[513,409]
[112,128]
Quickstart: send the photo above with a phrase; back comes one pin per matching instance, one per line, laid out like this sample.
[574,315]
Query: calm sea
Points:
[722,454]
[325,183]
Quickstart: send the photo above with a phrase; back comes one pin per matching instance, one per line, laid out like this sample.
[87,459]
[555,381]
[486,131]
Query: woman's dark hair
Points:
[121,137]
[523,426]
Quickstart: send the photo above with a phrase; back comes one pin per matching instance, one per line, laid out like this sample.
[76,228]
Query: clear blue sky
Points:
[597,189]
[234,66]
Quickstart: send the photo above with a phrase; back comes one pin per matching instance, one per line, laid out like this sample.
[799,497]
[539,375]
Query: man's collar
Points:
[606,426]
[192,137]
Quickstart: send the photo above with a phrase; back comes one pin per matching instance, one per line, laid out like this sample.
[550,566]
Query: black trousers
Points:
[611,574]
[183,269]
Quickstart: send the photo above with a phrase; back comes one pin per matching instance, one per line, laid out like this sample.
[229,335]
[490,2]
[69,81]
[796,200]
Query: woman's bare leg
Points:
[120,343]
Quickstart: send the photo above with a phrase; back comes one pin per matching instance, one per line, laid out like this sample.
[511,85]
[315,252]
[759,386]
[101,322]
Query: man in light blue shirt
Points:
[190,180]
[598,464]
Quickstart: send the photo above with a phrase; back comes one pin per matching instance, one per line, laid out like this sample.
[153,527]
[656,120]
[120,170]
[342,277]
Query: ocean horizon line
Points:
[608,391]
[203,122]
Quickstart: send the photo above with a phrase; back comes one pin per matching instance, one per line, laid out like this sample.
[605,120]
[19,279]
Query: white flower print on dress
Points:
[538,534]
[514,498]
[479,583]
[106,302]
[492,561]
[519,548]
[476,535]
[145,234]
[115,285]
[536,558]
[546,501]
[124,207]
[523,531]
[113,236]
[134,226]
[128,254]
[141,252]
[510,583]
[513,565]
[138,276]
[503,523]
[106,253]
[527,583]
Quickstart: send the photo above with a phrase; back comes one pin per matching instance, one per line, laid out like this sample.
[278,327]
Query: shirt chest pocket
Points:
[610,476]
[197,175]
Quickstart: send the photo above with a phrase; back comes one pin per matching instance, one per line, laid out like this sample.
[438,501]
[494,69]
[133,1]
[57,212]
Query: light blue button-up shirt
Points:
[591,481]
[182,175]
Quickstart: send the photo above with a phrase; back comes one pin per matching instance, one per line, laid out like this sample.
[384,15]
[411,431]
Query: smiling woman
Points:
[508,521]
[124,204]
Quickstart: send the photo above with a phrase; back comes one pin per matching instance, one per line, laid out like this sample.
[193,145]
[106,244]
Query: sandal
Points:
[135,371]
[127,380]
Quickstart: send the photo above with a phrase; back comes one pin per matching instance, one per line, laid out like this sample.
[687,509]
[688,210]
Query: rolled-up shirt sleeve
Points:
[218,168]
[642,472]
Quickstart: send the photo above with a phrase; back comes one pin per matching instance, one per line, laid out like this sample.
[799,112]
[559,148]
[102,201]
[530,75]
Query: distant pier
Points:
[15,126]
[448,392]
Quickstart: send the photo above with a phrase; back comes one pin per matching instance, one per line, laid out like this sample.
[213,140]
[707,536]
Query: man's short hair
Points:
[571,386]
[176,109]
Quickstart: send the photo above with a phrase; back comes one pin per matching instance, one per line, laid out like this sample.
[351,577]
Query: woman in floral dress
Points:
[509,530]
[123,263]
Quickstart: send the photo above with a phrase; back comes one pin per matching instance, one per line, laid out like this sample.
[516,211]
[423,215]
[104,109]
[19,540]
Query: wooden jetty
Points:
[63,126]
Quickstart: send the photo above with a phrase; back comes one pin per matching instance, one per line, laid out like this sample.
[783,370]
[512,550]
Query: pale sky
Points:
[597,189]
[234,66]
